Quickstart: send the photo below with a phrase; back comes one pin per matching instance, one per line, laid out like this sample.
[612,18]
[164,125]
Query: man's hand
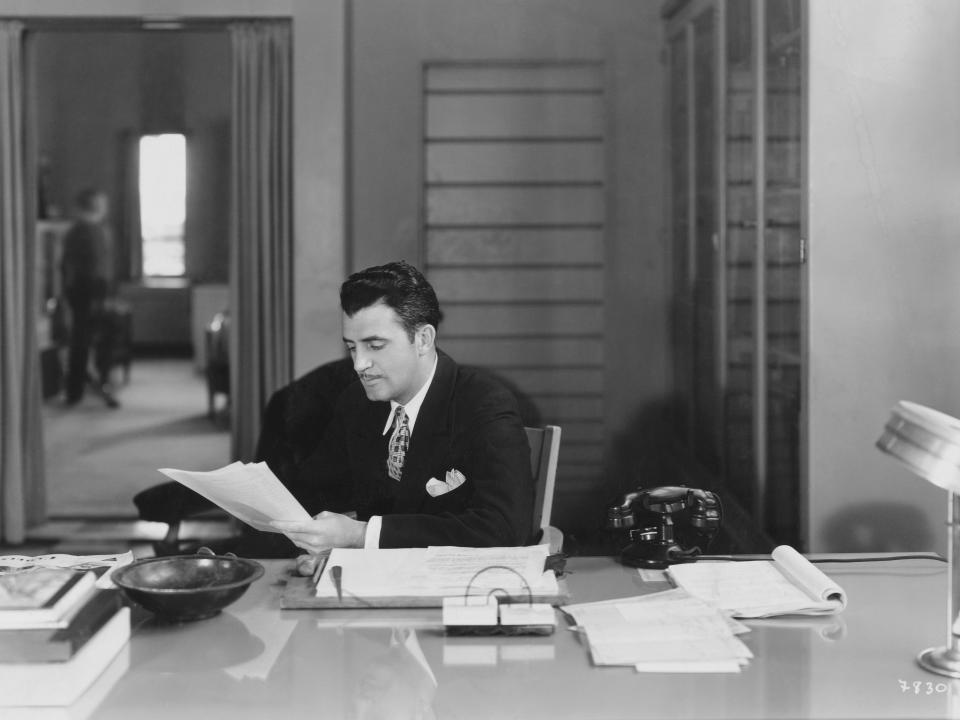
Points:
[326,530]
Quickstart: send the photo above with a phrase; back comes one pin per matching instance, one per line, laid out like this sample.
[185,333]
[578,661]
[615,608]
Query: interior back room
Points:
[97,91]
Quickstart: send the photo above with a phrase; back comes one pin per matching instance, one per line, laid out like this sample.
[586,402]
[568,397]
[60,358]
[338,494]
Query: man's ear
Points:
[425,338]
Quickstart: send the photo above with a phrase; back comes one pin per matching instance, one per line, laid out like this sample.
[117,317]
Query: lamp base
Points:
[940,660]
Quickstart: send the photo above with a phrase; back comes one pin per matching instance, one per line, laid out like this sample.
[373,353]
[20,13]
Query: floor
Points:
[98,458]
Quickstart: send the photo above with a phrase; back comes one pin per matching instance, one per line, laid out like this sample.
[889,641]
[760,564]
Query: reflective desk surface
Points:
[256,660]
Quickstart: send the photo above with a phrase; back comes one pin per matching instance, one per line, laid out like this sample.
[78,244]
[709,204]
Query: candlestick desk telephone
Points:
[665,525]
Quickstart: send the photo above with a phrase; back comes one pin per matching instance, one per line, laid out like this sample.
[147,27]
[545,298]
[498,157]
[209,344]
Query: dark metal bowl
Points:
[187,587]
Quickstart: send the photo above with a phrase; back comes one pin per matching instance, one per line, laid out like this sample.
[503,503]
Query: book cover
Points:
[62,683]
[43,598]
[35,589]
[60,644]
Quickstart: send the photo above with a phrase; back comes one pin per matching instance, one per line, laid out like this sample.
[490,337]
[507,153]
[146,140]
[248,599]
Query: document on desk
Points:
[663,632]
[401,574]
[789,584]
[248,491]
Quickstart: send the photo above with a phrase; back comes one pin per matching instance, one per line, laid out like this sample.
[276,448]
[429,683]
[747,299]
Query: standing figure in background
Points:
[86,268]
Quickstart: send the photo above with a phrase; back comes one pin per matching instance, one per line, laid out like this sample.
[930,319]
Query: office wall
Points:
[884,221]
[391,42]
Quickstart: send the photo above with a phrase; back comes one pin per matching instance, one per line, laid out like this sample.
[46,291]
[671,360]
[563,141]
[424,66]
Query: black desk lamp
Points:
[928,443]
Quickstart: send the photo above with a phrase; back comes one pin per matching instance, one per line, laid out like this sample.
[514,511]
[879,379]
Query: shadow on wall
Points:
[529,412]
[878,527]
[641,452]
[640,456]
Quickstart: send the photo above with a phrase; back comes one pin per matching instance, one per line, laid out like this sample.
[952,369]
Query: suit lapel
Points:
[430,435]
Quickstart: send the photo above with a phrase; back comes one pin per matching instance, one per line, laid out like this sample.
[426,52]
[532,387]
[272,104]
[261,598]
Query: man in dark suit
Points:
[86,268]
[421,450]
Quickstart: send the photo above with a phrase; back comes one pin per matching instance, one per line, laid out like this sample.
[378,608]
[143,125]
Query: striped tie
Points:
[399,442]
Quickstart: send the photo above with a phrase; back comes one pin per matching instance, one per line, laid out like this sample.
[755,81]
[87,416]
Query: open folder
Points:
[788,584]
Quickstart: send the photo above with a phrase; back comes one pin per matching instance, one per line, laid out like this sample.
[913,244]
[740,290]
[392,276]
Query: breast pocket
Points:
[447,492]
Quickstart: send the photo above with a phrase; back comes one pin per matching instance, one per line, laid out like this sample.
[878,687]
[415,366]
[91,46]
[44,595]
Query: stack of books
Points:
[60,634]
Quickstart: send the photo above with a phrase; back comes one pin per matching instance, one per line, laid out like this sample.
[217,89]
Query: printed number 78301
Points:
[922,687]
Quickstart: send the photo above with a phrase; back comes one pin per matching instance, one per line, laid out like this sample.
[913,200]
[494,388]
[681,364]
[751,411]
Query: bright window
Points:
[163,203]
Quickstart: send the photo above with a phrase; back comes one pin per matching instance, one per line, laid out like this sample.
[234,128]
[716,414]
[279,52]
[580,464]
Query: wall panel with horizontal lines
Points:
[514,222]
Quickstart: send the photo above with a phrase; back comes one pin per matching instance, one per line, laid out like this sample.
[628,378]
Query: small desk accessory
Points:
[474,614]
[927,442]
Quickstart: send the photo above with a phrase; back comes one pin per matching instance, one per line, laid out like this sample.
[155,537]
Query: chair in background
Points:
[544,451]
[113,341]
[217,370]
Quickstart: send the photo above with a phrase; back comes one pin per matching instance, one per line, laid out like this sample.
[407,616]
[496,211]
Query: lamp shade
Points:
[926,441]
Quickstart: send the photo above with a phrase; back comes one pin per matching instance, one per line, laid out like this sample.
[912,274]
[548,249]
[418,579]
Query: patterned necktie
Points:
[399,442]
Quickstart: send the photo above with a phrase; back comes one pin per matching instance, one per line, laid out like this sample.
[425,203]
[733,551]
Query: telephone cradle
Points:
[665,525]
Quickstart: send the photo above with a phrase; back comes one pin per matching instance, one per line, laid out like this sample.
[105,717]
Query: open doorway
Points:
[96,92]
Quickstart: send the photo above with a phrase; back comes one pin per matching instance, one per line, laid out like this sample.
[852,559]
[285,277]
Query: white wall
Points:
[884,263]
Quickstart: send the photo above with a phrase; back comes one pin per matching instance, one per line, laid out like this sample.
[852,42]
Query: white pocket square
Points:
[454,479]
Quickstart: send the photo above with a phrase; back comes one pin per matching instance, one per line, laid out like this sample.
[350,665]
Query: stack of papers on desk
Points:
[663,632]
[405,577]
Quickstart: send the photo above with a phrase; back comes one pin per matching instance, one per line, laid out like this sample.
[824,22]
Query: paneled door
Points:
[736,109]
[512,151]
[514,227]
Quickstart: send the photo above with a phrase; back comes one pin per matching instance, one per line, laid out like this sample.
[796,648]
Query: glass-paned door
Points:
[697,307]
[783,255]
[736,147]
[740,255]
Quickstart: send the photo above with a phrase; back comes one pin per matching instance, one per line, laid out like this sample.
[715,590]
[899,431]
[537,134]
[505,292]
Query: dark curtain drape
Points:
[21,427]
[129,244]
[261,305]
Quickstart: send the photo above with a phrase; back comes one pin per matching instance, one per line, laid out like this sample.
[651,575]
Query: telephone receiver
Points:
[665,525]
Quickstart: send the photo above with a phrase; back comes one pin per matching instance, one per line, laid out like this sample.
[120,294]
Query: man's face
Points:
[390,366]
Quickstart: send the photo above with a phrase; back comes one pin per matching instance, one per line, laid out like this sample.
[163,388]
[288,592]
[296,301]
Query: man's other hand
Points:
[326,530]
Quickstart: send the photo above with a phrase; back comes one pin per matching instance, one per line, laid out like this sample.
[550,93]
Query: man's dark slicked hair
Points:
[399,286]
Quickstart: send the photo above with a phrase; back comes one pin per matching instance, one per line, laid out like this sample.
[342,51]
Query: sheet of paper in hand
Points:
[248,491]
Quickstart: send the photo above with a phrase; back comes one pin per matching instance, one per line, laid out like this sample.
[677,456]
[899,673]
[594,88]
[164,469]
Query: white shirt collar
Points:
[412,408]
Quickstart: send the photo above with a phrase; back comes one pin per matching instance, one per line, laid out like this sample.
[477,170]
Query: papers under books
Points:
[43,598]
[422,577]
[787,584]
[668,631]
[248,491]
[102,565]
